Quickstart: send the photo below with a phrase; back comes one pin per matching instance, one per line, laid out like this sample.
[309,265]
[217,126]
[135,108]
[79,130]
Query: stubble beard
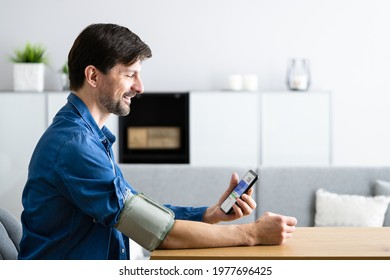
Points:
[116,107]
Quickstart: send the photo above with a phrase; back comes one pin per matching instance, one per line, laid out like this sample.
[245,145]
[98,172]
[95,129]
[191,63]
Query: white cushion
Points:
[342,210]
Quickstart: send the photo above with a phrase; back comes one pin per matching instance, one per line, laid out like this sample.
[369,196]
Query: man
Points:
[77,204]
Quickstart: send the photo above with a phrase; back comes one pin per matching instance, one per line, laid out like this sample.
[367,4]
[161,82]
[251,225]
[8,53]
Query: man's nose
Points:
[138,86]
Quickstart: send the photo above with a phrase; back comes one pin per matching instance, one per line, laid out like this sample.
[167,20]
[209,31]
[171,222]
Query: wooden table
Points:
[307,243]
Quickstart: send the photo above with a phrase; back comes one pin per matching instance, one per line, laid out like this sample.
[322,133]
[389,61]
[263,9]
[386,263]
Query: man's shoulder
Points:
[65,126]
[66,131]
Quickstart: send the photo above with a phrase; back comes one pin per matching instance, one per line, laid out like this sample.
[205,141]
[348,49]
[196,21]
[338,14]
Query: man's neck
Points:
[97,112]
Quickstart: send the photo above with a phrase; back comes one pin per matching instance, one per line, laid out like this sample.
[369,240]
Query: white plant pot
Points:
[64,79]
[29,76]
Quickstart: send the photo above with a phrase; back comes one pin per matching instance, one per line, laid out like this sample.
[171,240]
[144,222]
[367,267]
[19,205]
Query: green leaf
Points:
[30,54]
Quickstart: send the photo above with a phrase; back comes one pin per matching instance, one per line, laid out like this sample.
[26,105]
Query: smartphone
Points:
[243,186]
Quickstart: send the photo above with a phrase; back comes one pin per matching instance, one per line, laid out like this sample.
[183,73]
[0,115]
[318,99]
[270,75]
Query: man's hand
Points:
[273,229]
[245,206]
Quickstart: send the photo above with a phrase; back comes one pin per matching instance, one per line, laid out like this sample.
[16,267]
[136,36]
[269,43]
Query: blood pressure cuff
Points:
[145,221]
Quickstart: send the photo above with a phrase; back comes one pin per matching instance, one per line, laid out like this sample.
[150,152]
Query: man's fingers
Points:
[291,221]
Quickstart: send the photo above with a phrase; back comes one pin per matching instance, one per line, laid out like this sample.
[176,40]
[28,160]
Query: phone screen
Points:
[245,183]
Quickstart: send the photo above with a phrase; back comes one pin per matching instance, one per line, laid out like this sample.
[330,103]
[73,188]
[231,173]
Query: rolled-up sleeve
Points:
[188,213]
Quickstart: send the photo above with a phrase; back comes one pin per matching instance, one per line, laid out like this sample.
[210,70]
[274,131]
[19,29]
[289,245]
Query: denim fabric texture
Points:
[75,192]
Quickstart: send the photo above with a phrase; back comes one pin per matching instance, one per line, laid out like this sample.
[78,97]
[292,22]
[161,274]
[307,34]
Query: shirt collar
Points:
[85,114]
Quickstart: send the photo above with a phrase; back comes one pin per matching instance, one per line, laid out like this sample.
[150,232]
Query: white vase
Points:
[64,79]
[29,76]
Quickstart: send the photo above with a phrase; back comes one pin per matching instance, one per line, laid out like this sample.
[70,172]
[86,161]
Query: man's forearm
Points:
[188,234]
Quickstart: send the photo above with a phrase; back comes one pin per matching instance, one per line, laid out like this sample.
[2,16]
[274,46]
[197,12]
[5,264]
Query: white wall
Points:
[198,43]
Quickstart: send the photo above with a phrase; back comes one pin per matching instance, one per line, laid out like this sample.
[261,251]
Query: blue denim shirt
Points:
[75,192]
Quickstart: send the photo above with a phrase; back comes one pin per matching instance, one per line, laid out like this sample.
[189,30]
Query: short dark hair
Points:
[104,46]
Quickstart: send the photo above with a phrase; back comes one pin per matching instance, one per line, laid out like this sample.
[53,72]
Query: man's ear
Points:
[91,75]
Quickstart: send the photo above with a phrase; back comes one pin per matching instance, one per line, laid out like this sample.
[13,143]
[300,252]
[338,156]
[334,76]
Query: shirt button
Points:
[123,251]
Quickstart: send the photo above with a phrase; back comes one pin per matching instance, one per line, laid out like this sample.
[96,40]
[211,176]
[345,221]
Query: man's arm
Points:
[153,226]
[270,229]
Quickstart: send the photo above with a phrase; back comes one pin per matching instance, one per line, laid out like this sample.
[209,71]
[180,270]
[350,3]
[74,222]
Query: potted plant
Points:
[29,68]
[64,77]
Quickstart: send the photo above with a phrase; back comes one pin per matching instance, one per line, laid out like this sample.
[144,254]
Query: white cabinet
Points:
[295,128]
[22,122]
[55,101]
[224,128]
[267,128]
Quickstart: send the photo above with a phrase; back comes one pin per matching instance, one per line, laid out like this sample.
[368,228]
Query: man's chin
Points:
[122,112]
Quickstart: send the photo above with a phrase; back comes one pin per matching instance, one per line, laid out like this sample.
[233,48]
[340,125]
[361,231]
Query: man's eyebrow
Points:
[126,71]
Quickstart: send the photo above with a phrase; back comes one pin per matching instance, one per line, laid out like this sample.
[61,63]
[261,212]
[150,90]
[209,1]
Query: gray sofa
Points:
[283,190]
[10,235]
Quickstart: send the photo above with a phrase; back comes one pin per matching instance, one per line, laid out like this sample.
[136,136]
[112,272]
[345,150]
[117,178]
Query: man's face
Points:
[118,86]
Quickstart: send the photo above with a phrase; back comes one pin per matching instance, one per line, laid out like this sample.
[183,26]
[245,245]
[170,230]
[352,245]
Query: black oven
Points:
[156,130]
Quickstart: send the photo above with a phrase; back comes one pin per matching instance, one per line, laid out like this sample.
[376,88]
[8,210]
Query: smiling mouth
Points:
[127,97]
